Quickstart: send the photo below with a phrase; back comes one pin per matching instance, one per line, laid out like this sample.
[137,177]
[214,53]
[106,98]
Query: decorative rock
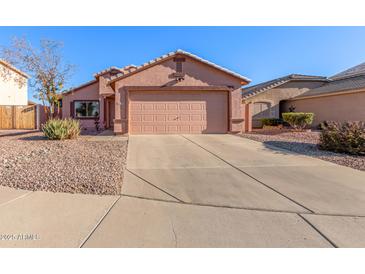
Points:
[75,166]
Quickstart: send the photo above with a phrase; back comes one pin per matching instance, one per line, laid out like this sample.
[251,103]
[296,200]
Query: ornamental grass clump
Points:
[61,129]
[348,137]
[298,120]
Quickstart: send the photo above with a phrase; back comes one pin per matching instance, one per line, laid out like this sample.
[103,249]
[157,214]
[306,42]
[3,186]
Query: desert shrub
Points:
[347,137]
[298,120]
[324,124]
[60,129]
[271,121]
[73,128]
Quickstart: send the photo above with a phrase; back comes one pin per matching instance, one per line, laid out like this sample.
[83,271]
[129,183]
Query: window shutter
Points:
[72,109]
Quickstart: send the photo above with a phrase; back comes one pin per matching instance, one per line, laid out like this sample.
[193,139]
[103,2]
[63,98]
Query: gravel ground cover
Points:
[86,165]
[304,143]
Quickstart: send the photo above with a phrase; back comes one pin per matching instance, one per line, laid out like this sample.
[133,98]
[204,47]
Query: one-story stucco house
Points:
[337,98]
[176,93]
[267,98]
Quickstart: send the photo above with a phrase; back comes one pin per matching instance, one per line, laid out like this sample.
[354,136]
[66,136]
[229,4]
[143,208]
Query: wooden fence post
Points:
[13,115]
[37,117]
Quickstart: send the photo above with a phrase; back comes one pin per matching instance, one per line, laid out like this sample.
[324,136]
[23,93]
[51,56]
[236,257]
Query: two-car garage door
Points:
[175,112]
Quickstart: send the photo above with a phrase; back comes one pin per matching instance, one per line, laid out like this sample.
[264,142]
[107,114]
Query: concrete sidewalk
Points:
[45,219]
[148,223]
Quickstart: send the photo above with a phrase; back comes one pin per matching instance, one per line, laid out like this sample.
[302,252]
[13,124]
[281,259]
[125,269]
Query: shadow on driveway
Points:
[288,147]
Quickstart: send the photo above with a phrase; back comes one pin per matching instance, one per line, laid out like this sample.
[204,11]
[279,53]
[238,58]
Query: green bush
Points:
[61,129]
[347,137]
[324,124]
[298,120]
[271,121]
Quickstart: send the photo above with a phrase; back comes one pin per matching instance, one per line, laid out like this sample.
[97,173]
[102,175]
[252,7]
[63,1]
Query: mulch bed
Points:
[29,161]
[305,143]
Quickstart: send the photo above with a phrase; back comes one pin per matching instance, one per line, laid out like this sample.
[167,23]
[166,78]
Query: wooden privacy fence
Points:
[18,117]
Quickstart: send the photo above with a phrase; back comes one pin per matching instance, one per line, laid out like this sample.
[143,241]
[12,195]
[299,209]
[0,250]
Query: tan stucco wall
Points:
[196,74]
[345,107]
[104,88]
[275,95]
[90,92]
[11,92]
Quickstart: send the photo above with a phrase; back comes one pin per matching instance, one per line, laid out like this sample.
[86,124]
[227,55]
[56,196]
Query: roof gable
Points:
[170,55]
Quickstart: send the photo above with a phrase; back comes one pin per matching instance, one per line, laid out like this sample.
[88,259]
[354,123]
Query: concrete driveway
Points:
[226,191]
[199,191]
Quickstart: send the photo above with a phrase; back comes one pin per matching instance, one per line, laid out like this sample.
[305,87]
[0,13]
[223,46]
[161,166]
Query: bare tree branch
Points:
[45,65]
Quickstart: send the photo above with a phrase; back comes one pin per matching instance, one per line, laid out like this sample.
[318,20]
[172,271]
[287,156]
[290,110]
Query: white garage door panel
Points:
[175,112]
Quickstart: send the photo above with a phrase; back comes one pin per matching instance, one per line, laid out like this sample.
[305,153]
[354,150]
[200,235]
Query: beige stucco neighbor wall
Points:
[11,92]
[196,74]
[345,107]
[90,92]
[275,95]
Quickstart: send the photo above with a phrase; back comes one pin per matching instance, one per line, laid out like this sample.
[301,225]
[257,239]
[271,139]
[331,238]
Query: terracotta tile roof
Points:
[262,87]
[334,86]
[123,74]
[116,69]
[106,71]
[10,66]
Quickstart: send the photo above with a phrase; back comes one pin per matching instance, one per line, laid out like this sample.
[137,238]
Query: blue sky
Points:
[260,53]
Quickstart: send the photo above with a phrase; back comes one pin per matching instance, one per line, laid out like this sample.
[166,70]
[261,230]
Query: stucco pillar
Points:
[102,112]
[243,115]
[236,118]
[248,117]
[118,115]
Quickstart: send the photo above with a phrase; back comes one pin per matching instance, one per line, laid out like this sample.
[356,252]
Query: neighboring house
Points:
[13,86]
[268,97]
[337,98]
[175,93]
[341,99]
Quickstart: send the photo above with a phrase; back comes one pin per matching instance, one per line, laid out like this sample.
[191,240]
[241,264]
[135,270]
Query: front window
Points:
[87,109]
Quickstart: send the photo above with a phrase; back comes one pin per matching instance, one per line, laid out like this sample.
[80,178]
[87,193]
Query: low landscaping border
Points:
[305,143]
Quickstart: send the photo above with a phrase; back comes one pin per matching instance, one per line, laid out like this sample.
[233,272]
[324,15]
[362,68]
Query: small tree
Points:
[298,120]
[45,65]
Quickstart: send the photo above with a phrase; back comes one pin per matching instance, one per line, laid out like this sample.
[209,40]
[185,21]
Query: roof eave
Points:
[340,92]
[80,87]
